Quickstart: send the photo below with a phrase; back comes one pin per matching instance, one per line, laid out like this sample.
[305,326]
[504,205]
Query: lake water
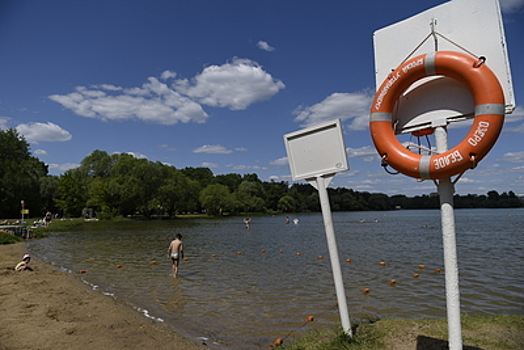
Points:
[264,282]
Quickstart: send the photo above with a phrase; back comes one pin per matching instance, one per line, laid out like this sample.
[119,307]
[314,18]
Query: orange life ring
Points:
[489,115]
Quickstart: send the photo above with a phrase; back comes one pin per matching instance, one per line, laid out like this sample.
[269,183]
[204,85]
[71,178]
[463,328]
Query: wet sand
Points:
[52,309]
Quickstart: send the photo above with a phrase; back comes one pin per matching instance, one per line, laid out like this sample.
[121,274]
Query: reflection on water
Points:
[257,287]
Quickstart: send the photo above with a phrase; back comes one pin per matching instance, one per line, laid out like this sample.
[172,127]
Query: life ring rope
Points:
[488,120]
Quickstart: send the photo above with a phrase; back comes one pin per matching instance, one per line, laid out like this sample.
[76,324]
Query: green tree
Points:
[20,176]
[73,190]
[286,204]
[216,199]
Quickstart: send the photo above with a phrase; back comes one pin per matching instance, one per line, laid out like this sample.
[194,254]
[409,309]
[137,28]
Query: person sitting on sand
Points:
[24,264]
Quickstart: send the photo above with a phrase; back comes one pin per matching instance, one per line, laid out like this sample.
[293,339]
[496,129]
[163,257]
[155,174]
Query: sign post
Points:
[22,202]
[316,154]
[468,26]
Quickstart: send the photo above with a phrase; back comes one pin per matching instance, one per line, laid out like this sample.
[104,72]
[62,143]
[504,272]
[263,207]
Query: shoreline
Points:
[52,309]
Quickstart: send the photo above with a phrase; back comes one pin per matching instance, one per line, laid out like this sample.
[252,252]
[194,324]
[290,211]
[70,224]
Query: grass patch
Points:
[7,238]
[478,333]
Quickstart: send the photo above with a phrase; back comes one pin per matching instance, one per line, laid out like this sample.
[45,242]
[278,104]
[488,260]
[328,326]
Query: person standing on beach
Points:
[175,252]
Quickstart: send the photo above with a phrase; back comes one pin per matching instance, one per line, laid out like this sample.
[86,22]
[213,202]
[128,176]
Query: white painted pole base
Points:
[447,218]
[321,183]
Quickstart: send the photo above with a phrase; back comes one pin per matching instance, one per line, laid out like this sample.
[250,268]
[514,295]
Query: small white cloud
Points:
[280,161]
[367,153]
[3,122]
[245,167]
[234,85]
[107,87]
[263,45]
[40,152]
[511,5]
[47,132]
[167,148]
[212,149]
[512,157]
[241,149]
[210,165]
[63,167]
[167,75]
[342,106]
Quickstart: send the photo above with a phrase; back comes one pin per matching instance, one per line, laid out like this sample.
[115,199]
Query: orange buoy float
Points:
[263,251]
[392,283]
[382,263]
[487,93]
[213,255]
[118,266]
[422,267]
[153,263]
[320,257]
[239,253]
[310,318]
[416,275]
[81,271]
[437,270]
[348,260]
[185,259]
[366,291]
[298,254]
[278,341]
[281,251]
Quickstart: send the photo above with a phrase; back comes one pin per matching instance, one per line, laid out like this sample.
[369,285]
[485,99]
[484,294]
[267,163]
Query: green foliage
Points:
[216,199]
[120,185]
[7,238]
[20,176]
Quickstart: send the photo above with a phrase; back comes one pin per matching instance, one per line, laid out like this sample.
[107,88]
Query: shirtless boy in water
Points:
[175,252]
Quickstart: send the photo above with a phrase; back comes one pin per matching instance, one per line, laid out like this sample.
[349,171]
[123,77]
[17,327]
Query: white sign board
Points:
[316,151]
[472,25]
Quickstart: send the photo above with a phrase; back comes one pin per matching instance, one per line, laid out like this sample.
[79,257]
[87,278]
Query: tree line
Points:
[122,185]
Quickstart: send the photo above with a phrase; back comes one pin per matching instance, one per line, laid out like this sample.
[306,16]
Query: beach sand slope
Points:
[52,309]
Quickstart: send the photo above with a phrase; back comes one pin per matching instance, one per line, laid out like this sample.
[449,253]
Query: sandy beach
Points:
[52,309]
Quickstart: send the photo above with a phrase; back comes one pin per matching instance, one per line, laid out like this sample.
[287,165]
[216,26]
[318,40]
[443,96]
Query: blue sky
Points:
[217,84]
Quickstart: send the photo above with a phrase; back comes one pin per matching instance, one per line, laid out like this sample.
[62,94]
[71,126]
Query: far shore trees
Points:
[122,185]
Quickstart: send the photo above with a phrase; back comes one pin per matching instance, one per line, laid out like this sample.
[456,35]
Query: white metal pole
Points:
[333,255]
[447,218]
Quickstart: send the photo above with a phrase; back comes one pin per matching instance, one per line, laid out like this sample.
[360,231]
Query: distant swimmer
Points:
[175,252]
[295,221]
[287,220]
[246,222]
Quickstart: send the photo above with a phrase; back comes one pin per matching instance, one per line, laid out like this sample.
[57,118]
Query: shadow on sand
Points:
[427,343]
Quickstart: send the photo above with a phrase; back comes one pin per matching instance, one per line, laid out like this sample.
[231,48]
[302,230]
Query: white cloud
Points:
[280,161]
[241,149]
[107,87]
[40,152]
[367,153]
[48,132]
[513,157]
[342,106]
[212,149]
[63,167]
[245,167]
[3,122]
[167,75]
[153,102]
[167,148]
[210,165]
[511,5]
[263,45]
[234,85]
